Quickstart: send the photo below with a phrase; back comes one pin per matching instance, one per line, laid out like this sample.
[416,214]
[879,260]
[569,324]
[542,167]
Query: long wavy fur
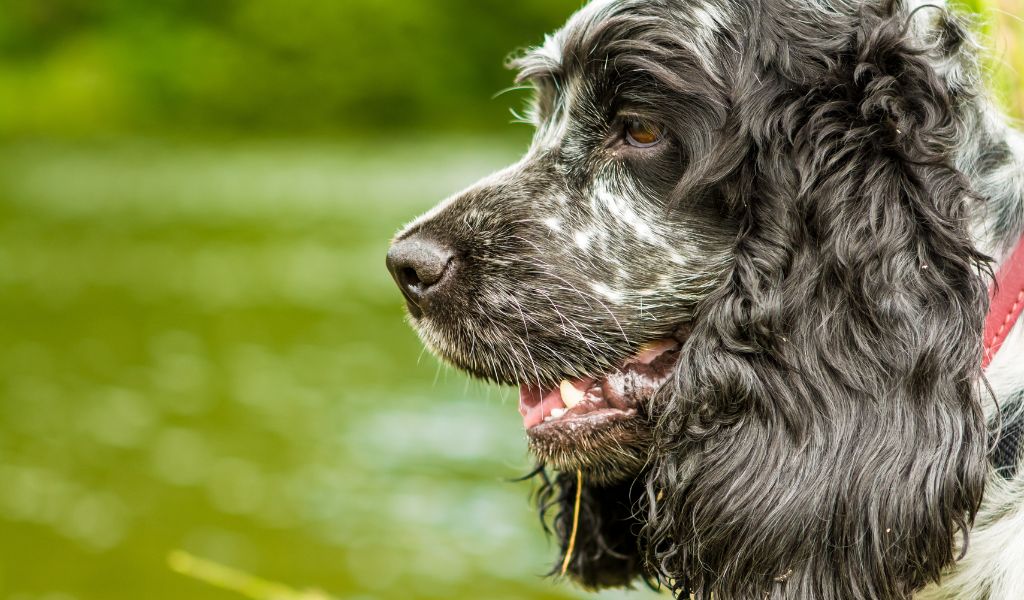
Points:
[606,551]
[823,437]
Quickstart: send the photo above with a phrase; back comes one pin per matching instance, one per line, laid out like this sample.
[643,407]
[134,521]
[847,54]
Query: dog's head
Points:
[574,272]
[733,280]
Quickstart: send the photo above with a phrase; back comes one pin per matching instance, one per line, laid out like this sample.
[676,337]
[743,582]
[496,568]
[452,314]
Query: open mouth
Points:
[599,424]
[591,401]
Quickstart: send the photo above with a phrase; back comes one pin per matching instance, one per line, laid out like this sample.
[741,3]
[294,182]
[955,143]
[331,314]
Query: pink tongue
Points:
[535,404]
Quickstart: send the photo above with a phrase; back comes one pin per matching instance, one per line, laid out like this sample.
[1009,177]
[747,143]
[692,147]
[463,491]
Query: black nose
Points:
[420,266]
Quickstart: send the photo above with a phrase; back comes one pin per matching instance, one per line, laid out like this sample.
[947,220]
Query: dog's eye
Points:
[641,134]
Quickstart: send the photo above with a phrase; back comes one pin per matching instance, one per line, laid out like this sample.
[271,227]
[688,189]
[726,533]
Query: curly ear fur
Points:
[607,552]
[824,439]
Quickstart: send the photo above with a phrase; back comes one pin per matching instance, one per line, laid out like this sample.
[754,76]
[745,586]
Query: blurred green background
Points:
[200,348]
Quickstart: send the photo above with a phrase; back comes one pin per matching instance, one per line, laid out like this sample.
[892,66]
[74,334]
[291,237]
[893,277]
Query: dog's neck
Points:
[993,159]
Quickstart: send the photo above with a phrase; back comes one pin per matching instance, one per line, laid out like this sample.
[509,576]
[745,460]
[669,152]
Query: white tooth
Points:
[548,418]
[570,395]
[556,413]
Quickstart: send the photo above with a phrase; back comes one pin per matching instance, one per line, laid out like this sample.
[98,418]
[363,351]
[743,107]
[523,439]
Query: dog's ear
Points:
[605,552]
[824,438]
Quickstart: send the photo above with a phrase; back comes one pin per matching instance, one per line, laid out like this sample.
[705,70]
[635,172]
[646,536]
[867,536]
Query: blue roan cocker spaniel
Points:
[742,278]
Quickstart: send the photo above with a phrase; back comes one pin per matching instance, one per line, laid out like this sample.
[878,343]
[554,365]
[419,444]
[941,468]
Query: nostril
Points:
[410,278]
[418,265]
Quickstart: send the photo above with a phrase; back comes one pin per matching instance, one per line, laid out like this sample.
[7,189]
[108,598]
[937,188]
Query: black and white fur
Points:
[832,193]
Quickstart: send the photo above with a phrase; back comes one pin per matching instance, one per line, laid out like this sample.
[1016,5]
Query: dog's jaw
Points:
[599,425]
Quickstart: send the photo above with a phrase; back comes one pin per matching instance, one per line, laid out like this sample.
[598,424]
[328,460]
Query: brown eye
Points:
[641,134]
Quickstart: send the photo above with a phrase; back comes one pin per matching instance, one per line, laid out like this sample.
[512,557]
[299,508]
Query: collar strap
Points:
[1007,303]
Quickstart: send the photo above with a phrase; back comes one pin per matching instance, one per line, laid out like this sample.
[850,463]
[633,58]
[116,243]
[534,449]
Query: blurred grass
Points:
[200,348]
[234,580]
[1005,33]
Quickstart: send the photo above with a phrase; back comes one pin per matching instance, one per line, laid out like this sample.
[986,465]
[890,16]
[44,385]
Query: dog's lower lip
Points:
[595,419]
[614,393]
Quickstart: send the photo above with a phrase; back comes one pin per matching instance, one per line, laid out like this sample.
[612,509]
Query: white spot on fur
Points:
[1002,187]
[622,209]
[991,570]
[551,49]
[706,22]
[709,18]
[553,224]
[582,238]
[606,292]
[1005,374]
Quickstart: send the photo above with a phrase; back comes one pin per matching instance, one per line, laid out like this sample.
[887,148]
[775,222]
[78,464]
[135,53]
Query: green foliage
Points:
[291,67]
[202,350]
[257,66]
[1006,43]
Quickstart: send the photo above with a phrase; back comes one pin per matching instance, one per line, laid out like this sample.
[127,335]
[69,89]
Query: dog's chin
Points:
[607,448]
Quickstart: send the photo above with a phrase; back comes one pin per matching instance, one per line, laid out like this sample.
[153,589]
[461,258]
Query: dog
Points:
[746,278]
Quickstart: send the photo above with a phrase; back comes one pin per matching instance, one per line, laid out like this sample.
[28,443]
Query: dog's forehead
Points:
[585,18]
[698,24]
[549,60]
[603,22]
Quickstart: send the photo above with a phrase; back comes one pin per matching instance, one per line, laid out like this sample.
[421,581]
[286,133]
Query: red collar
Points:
[1006,304]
